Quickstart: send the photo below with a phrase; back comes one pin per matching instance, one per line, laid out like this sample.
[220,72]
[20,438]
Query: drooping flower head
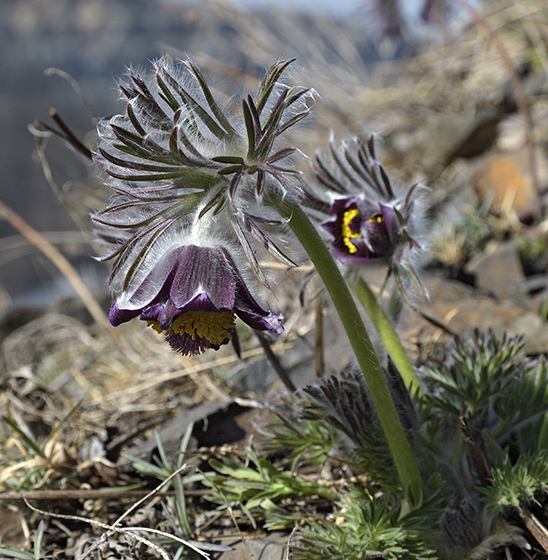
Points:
[190,176]
[193,296]
[371,217]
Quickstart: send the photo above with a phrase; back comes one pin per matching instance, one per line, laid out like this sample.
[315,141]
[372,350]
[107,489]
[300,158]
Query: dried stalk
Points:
[62,264]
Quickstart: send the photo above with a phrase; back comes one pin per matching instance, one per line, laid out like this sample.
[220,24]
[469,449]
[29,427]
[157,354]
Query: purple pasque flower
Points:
[193,296]
[191,175]
[371,216]
[179,153]
[361,231]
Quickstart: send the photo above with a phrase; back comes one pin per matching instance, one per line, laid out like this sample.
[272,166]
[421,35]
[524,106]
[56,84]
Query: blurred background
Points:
[361,57]
[94,41]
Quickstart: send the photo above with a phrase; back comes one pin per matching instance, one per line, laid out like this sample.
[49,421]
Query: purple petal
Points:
[163,313]
[118,316]
[203,270]
[198,279]
[156,284]
[268,322]
[247,308]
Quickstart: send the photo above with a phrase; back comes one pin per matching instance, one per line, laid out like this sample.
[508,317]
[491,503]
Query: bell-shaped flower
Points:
[371,216]
[191,171]
[193,296]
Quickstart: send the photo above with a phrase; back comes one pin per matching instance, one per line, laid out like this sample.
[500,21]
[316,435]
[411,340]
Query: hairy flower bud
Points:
[370,216]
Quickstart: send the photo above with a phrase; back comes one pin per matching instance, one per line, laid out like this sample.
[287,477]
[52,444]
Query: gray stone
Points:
[271,547]
[498,270]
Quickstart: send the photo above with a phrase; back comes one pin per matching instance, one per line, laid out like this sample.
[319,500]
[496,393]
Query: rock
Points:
[443,139]
[498,270]
[271,547]
[512,134]
[505,181]
[459,309]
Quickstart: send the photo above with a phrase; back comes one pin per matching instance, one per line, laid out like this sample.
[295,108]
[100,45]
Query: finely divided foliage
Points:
[192,183]
[177,155]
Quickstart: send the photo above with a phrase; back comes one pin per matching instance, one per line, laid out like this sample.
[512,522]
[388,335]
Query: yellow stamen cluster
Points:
[212,326]
[348,234]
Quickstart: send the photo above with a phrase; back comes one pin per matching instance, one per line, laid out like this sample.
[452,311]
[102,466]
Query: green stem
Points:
[386,331]
[543,438]
[361,344]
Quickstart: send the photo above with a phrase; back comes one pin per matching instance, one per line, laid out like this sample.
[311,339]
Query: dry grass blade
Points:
[130,532]
[229,509]
[75,87]
[41,132]
[58,260]
[86,494]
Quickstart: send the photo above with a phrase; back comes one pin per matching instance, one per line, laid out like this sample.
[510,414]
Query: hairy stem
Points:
[386,331]
[361,344]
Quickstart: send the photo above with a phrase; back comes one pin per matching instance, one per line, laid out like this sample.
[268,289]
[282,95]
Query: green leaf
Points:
[218,200]
[215,109]
[38,540]
[269,81]
[237,160]
[168,97]
[146,468]
[248,250]
[250,129]
[13,552]
[195,106]
[27,438]
[519,485]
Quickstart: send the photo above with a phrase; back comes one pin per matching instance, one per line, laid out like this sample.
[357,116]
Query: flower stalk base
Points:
[386,331]
[361,344]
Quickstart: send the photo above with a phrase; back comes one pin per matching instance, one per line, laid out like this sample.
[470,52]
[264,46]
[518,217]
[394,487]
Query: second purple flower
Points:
[371,217]
[361,231]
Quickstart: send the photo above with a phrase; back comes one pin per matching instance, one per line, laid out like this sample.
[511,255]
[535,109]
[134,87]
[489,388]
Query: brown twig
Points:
[438,324]
[536,528]
[75,87]
[476,448]
[42,495]
[62,264]
[67,134]
[519,93]
[276,363]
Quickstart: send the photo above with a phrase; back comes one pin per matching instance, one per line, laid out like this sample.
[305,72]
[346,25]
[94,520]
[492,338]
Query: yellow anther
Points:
[155,325]
[347,233]
[213,326]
